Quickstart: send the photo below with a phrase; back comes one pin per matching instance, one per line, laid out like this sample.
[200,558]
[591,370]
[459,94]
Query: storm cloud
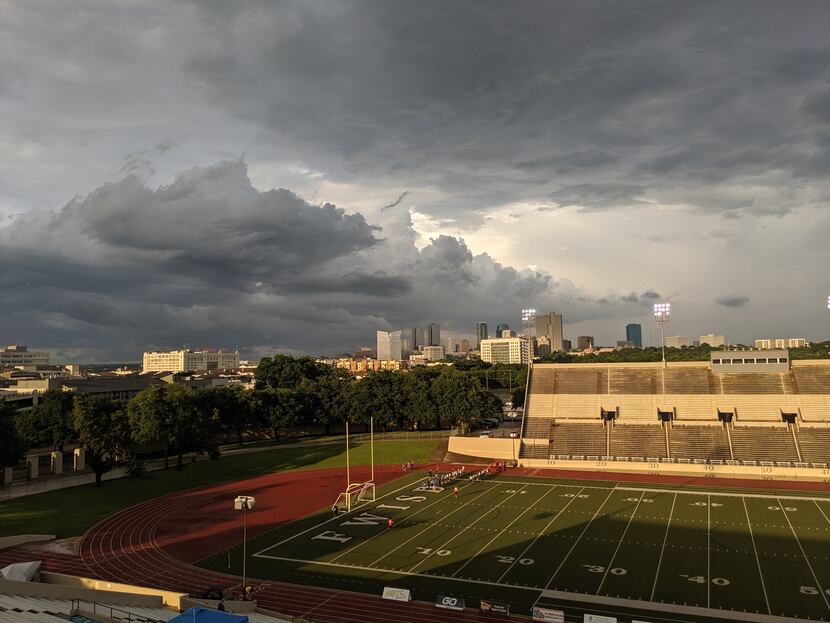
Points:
[295,175]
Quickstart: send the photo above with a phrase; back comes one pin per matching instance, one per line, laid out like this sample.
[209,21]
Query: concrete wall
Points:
[108,591]
[61,591]
[746,472]
[493,448]
[20,539]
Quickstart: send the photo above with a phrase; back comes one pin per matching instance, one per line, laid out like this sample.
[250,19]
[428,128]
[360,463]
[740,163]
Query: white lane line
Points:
[619,543]
[804,554]
[458,534]
[542,532]
[708,550]
[470,559]
[430,526]
[345,515]
[821,510]
[757,559]
[663,549]
[579,538]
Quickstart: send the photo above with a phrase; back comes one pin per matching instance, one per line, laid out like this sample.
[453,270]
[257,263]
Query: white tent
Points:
[21,571]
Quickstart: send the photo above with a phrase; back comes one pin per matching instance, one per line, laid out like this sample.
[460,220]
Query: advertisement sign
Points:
[598,618]
[449,602]
[495,607]
[397,594]
[547,615]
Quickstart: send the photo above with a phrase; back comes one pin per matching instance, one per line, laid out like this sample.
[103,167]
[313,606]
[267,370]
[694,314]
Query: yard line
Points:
[458,534]
[619,543]
[821,510]
[757,560]
[499,534]
[430,526]
[323,523]
[579,538]
[538,536]
[803,553]
[799,498]
[663,549]
[708,550]
[403,521]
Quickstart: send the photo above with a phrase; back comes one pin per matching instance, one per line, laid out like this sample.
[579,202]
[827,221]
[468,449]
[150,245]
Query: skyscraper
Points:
[502,326]
[550,325]
[634,334]
[481,333]
[389,345]
[584,342]
[433,334]
[415,338]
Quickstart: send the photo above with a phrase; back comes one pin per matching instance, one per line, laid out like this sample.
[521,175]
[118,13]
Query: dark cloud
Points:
[732,300]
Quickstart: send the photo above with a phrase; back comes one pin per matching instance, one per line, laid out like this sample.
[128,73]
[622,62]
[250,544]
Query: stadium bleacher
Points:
[760,413]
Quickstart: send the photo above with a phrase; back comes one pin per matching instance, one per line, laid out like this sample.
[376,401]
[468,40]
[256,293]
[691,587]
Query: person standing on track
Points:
[389,523]
[455,491]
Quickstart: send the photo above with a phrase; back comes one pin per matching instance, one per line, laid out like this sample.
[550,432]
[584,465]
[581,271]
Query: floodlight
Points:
[662,310]
[828,303]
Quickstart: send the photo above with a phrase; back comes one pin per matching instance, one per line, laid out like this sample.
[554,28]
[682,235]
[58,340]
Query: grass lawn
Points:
[70,512]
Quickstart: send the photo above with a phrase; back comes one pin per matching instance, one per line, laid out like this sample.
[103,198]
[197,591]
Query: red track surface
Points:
[153,543]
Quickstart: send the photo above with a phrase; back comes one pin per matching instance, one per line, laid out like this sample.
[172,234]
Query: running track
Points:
[154,543]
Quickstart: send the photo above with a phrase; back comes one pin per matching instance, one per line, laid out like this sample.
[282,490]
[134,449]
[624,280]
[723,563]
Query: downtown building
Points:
[550,325]
[506,350]
[20,355]
[189,360]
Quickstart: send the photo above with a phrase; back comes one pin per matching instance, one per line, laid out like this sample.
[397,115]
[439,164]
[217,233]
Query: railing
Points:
[112,613]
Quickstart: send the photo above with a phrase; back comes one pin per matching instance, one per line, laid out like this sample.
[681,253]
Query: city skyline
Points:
[321,174]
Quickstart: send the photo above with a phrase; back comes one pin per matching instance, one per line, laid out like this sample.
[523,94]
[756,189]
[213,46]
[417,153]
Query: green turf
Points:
[70,512]
[510,537]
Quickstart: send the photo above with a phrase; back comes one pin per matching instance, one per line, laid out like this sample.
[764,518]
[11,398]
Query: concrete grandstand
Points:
[683,413]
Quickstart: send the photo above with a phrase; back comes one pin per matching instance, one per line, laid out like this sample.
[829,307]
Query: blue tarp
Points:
[198,614]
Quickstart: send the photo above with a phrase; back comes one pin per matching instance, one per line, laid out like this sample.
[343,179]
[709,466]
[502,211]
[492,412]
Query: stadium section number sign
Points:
[547,615]
[449,602]
[397,594]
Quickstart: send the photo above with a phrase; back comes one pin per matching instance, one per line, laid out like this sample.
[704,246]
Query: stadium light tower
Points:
[528,318]
[244,503]
[662,311]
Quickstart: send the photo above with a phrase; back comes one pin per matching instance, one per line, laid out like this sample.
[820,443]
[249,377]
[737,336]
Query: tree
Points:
[231,406]
[418,407]
[12,446]
[280,406]
[331,399]
[50,422]
[189,428]
[150,419]
[286,371]
[103,428]
[461,400]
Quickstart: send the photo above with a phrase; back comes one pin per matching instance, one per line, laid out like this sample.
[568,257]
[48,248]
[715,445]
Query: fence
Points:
[112,613]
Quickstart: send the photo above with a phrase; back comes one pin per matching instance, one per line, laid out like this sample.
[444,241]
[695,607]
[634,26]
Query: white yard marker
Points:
[542,532]
[579,538]
[663,549]
[470,559]
[804,554]
[757,560]
[619,543]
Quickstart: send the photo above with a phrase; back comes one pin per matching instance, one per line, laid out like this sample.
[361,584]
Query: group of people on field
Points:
[408,466]
[496,467]
[439,479]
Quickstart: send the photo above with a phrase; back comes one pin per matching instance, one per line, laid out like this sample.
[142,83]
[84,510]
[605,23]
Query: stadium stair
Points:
[637,440]
[699,442]
[572,439]
[763,443]
[814,444]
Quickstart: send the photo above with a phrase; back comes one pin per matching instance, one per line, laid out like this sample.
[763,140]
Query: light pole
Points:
[528,316]
[244,503]
[662,311]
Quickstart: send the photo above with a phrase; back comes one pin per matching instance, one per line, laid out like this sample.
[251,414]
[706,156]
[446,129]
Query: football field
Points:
[513,538]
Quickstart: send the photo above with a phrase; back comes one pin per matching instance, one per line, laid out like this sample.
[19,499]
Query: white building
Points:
[433,353]
[677,341]
[506,350]
[20,355]
[449,345]
[713,340]
[792,342]
[188,360]
[389,346]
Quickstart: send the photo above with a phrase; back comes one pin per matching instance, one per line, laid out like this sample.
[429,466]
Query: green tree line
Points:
[289,392]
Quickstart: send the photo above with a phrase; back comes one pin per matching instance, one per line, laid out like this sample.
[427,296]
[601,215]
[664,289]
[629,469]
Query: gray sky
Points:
[295,175]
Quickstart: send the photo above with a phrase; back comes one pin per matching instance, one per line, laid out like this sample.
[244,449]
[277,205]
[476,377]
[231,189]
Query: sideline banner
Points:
[449,602]
[397,594]
[495,607]
[547,615]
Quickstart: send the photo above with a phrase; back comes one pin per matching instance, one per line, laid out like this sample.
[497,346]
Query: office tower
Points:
[449,345]
[551,326]
[713,340]
[506,350]
[584,342]
[543,343]
[634,334]
[433,334]
[566,345]
[465,345]
[389,345]
[677,341]
[433,353]
[502,326]
[415,337]
[481,333]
